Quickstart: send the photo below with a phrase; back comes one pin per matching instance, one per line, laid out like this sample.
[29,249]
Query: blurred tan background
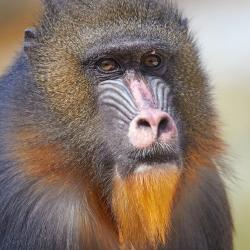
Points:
[223,32]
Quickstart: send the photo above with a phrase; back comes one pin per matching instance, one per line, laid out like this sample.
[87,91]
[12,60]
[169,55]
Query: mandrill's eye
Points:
[108,65]
[151,61]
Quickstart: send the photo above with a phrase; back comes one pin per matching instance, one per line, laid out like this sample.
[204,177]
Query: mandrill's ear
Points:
[30,36]
[185,23]
[51,9]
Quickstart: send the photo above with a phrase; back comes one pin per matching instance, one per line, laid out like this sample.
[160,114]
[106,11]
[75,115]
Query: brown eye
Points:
[108,65]
[151,61]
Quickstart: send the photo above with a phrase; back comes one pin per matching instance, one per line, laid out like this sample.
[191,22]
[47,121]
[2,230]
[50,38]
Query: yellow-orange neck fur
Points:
[142,205]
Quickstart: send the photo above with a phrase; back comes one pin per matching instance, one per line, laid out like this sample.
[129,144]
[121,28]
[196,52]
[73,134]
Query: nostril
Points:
[151,126]
[142,123]
[163,125]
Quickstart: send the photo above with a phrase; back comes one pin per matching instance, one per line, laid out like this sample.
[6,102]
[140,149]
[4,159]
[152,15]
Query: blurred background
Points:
[223,34]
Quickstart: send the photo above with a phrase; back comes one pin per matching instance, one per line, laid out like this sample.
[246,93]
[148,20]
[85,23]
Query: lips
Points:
[156,157]
[158,153]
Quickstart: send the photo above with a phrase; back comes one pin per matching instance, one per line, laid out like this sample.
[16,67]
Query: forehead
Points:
[126,46]
[139,29]
[131,39]
[117,25]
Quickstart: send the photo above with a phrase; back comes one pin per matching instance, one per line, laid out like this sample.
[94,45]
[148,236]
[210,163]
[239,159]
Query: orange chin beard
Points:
[142,205]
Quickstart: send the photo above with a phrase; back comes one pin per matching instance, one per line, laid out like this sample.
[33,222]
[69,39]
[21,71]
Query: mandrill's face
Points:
[131,97]
[136,107]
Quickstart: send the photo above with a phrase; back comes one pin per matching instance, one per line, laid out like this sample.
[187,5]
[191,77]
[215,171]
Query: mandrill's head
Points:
[124,84]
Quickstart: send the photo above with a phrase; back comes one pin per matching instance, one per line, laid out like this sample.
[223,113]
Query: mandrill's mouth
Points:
[157,153]
[158,156]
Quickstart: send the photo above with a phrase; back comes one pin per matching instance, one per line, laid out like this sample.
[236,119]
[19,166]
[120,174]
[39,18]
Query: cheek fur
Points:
[61,78]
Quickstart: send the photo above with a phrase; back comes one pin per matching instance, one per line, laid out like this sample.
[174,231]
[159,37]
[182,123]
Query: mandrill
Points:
[109,139]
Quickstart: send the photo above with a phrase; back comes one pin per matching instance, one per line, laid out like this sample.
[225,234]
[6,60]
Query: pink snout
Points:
[150,126]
